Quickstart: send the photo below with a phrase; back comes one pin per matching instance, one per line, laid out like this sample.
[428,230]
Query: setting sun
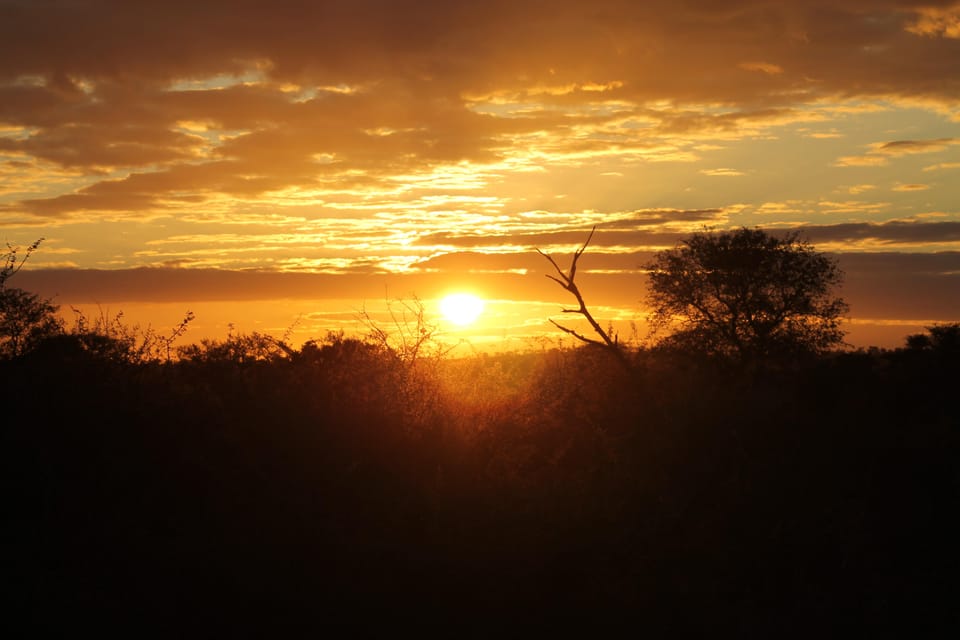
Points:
[461,308]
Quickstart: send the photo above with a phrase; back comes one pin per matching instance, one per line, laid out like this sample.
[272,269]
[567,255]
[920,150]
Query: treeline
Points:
[255,489]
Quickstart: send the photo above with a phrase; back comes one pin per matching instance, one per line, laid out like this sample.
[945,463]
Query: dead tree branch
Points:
[566,280]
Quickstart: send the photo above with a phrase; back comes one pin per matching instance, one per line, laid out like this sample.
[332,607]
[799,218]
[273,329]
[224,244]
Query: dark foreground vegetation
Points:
[250,489]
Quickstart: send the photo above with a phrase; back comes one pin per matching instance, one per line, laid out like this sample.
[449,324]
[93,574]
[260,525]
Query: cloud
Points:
[642,234]
[763,67]
[893,232]
[902,285]
[861,161]
[943,166]
[723,172]
[851,206]
[880,152]
[348,44]
[937,21]
[620,232]
[906,147]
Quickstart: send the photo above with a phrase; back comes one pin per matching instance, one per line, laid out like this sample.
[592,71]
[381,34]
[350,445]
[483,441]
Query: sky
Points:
[289,166]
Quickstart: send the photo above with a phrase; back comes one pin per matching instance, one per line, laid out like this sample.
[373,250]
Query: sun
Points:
[461,308]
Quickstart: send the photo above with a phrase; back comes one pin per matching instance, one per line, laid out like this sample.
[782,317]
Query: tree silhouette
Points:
[25,318]
[939,338]
[566,280]
[747,295]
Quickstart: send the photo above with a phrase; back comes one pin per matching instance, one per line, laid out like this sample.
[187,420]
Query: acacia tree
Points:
[747,295]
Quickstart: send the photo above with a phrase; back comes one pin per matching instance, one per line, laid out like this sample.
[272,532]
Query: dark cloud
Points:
[658,48]
[899,232]
[881,265]
[905,286]
[648,230]
[93,286]
[173,284]
[109,146]
[897,147]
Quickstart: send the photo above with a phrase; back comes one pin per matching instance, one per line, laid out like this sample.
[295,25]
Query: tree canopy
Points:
[746,294]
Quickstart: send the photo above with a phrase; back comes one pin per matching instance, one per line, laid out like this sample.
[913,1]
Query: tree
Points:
[25,318]
[747,295]
[939,338]
[12,262]
[409,335]
[108,338]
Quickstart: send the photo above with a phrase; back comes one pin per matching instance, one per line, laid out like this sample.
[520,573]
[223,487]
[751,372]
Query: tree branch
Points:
[566,280]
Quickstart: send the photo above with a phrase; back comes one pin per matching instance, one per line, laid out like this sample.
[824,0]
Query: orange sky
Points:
[261,163]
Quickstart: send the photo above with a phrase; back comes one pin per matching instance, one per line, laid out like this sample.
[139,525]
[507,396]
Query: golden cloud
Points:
[723,172]
[937,21]
[763,67]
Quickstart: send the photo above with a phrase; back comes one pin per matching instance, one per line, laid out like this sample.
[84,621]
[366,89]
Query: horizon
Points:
[504,324]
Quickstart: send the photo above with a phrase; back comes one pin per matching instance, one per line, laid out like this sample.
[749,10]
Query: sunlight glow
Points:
[461,308]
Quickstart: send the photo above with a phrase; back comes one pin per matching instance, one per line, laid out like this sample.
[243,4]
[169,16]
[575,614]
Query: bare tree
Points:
[566,280]
[409,333]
